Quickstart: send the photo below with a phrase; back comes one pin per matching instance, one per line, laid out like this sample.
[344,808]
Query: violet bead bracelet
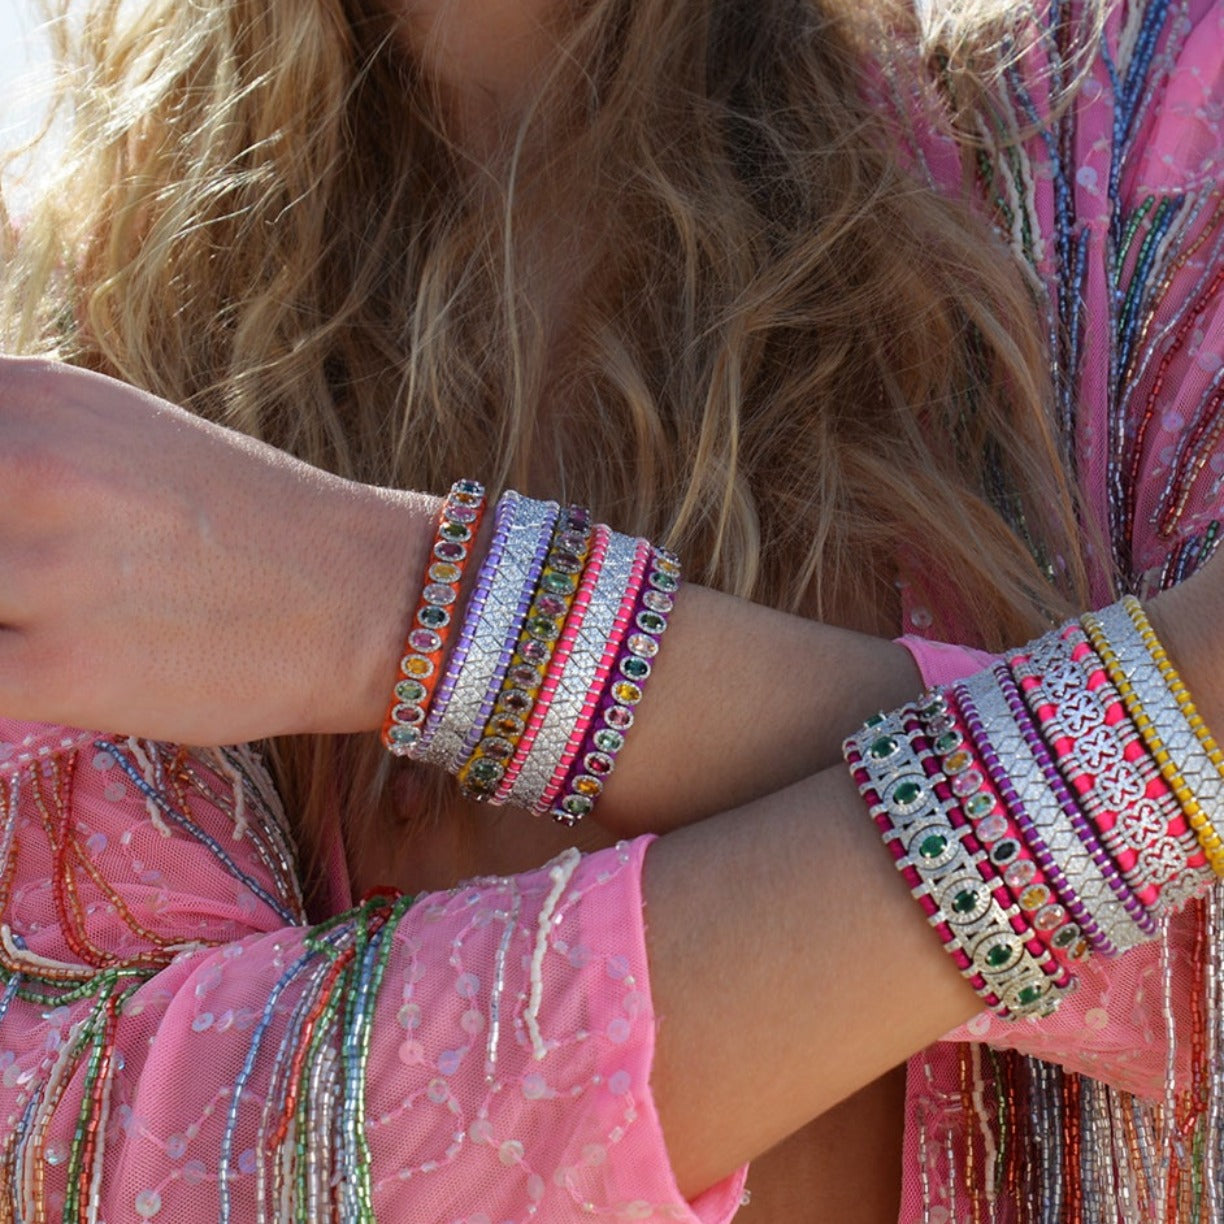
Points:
[454,668]
[1079,915]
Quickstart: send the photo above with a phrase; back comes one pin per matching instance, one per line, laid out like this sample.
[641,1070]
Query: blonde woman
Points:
[907,329]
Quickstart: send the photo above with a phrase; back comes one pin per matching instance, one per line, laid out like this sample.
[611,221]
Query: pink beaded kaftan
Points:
[1117,206]
[178,1044]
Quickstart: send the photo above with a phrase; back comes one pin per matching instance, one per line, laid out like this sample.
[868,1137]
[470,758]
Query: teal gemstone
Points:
[933,845]
[966,901]
[558,584]
[410,691]
[948,742]
[979,805]
[1000,956]
[433,618]
[883,748]
[664,582]
[1004,851]
[1029,995]
[486,773]
[635,669]
[609,741]
[651,622]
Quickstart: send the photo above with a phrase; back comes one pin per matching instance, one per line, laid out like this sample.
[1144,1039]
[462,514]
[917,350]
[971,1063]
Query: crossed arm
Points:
[163,577]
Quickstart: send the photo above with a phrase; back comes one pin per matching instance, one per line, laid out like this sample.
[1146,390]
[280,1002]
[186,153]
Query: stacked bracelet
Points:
[539,633]
[1165,717]
[1031,879]
[420,666]
[558,639]
[503,591]
[568,711]
[1076,781]
[944,867]
[624,686]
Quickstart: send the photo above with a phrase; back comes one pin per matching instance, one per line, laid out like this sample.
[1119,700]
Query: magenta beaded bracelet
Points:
[615,710]
[553,795]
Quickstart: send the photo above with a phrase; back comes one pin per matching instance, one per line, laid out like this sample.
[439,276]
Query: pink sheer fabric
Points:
[504,1067]
[1138,180]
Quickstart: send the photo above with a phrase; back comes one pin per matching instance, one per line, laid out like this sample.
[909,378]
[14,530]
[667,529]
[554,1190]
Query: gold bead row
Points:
[1208,837]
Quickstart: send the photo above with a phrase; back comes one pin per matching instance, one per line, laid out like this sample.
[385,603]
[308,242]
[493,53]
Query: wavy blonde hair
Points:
[770,348]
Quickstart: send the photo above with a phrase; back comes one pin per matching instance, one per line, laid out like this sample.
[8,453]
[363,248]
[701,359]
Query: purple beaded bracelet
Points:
[1083,827]
[526,593]
[1002,783]
[480,593]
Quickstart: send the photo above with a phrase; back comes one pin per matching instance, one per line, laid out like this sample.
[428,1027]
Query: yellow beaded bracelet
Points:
[1199,821]
[1209,838]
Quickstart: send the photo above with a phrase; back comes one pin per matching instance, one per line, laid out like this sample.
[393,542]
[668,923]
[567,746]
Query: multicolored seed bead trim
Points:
[431,625]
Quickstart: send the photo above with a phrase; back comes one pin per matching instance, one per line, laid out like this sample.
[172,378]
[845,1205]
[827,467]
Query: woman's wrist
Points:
[377,543]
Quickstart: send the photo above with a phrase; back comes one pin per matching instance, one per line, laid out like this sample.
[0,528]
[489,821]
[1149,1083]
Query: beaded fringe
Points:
[1043,1145]
[313,1125]
[1039,1145]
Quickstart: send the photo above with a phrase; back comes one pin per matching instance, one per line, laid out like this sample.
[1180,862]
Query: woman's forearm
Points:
[743,701]
[790,964]
[789,968]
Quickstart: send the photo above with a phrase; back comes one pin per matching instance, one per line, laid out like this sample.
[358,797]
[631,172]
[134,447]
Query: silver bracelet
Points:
[1169,721]
[964,902]
[1118,786]
[574,684]
[1083,875]
[494,634]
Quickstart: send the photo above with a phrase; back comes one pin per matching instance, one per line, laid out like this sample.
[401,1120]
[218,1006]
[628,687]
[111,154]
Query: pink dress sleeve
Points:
[1118,210]
[178,1044]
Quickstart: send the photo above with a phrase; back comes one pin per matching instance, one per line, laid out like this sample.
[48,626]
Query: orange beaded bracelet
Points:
[430,628]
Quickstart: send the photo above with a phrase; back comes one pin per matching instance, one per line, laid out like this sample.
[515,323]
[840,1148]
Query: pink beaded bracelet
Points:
[602,672]
[1009,848]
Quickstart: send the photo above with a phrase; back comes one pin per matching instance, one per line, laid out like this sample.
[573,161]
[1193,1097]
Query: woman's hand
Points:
[163,576]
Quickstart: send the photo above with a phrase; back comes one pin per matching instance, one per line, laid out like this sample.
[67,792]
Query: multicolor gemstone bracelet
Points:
[420,667]
[558,639]
[1036,772]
